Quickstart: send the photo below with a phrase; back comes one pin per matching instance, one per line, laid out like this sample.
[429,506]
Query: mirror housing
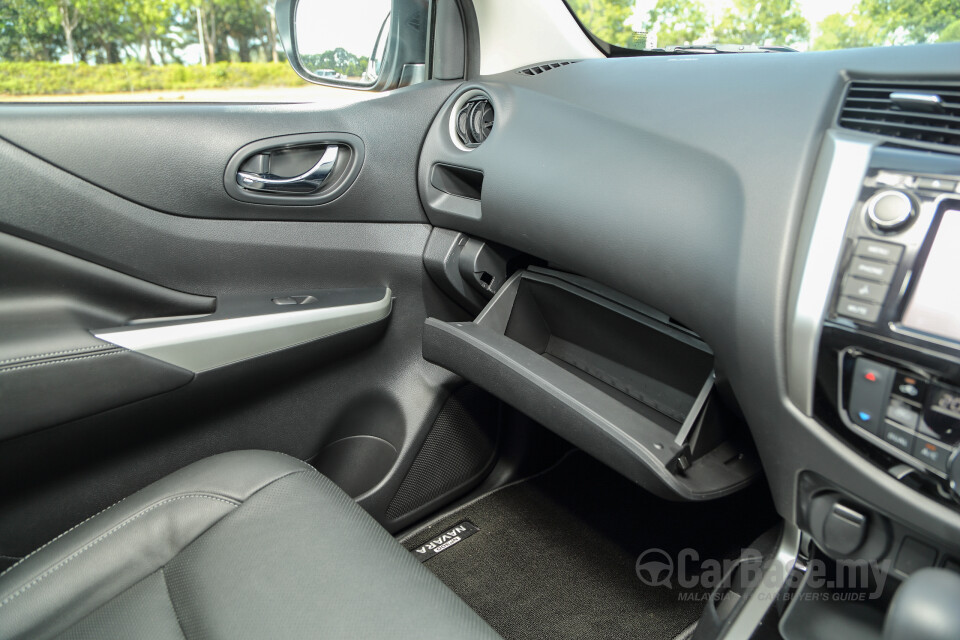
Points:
[397,58]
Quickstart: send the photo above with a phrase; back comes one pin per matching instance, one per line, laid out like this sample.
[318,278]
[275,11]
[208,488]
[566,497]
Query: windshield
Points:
[768,25]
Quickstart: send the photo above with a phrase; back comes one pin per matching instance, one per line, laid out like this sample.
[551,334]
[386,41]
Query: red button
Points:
[871,376]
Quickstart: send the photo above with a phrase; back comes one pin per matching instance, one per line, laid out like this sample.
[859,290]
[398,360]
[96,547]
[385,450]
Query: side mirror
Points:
[356,44]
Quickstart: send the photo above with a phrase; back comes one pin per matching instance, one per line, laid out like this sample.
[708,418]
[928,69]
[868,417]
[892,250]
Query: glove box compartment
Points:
[618,380]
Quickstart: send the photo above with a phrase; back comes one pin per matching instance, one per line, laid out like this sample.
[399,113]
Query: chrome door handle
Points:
[307,182]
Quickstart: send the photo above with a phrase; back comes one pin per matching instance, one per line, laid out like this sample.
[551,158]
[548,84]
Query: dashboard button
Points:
[865,290]
[909,387]
[890,210]
[869,389]
[885,251]
[903,413]
[933,454]
[858,309]
[872,270]
[947,400]
[898,437]
[890,179]
[936,184]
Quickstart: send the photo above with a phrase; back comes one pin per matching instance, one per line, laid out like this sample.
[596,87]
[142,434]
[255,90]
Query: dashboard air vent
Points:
[474,121]
[541,68]
[925,114]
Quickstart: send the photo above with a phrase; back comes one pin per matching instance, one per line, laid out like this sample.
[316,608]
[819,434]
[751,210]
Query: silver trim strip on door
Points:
[201,346]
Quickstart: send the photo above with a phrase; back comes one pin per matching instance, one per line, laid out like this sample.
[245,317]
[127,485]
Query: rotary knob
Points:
[953,473]
[891,210]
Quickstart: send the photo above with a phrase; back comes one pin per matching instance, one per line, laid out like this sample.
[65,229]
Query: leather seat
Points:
[248,544]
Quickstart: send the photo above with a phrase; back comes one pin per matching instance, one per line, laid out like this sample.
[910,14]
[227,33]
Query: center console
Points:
[874,356]
[888,363]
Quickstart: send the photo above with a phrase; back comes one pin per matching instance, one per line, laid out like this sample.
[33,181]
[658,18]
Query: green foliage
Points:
[242,20]
[770,22]
[149,20]
[25,33]
[951,33]
[339,60]
[847,31]
[51,78]
[678,22]
[912,21]
[606,19]
[151,31]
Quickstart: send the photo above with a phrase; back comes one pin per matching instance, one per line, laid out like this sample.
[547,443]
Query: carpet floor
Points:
[555,556]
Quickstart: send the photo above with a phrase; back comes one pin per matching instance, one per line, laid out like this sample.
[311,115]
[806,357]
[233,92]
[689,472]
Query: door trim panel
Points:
[189,146]
[203,344]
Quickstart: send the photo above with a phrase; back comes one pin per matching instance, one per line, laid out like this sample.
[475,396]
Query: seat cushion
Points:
[248,544]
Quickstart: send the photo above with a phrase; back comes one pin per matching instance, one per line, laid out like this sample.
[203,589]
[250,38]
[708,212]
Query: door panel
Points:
[48,303]
[172,158]
[306,401]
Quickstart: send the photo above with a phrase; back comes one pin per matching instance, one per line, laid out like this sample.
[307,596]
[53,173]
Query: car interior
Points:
[541,338]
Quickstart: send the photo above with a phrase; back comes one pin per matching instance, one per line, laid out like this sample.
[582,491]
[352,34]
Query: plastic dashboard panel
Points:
[681,181]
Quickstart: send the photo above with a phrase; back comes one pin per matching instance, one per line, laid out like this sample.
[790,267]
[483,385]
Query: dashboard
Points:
[744,197]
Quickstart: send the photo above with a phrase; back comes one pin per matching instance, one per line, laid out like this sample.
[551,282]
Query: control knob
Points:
[890,210]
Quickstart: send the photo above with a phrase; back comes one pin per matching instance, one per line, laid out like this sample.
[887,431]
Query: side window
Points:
[155,50]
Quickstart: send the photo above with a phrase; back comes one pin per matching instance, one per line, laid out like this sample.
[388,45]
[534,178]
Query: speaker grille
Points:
[459,448]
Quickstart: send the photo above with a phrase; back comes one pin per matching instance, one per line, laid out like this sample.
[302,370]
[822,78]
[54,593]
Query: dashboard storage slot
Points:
[615,378]
[457,181]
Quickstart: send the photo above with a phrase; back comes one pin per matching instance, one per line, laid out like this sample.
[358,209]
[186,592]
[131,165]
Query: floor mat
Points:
[555,556]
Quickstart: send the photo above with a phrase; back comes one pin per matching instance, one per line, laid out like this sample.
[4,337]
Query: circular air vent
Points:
[472,119]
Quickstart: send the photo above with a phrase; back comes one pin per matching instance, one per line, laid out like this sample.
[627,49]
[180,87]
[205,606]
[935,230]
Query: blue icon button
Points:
[864,416]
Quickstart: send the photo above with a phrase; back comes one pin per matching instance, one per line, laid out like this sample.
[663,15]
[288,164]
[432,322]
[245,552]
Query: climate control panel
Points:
[912,416]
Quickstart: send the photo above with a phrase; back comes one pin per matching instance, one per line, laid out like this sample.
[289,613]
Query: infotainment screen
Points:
[934,307]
